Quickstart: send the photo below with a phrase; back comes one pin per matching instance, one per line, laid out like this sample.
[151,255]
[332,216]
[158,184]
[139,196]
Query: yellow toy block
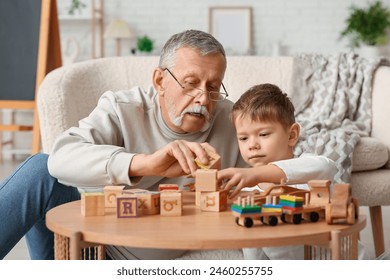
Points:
[92,204]
[214,161]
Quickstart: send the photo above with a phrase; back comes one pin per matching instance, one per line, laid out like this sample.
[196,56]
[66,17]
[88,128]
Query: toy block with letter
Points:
[168,187]
[171,203]
[92,204]
[214,161]
[213,201]
[111,193]
[148,202]
[206,180]
[126,207]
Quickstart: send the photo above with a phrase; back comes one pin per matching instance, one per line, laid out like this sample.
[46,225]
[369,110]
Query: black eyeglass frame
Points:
[224,95]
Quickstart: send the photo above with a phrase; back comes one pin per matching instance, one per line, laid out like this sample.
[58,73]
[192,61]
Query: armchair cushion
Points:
[369,154]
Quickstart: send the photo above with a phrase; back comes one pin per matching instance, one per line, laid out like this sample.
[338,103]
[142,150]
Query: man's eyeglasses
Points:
[192,91]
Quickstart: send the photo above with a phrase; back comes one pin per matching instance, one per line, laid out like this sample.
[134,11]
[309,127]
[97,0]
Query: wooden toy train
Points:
[292,205]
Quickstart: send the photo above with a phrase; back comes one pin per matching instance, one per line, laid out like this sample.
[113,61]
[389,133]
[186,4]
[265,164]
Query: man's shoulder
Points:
[134,97]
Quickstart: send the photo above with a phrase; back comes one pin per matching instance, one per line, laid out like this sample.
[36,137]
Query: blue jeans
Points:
[25,198]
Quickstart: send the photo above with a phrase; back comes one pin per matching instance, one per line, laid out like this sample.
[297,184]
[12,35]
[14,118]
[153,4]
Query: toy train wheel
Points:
[351,214]
[262,220]
[314,217]
[237,221]
[283,218]
[272,221]
[297,218]
[248,222]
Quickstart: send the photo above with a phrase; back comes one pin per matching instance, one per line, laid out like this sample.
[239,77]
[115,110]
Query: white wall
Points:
[296,25]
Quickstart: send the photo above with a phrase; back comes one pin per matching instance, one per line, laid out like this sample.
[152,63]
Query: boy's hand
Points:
[239,178]
[250,177]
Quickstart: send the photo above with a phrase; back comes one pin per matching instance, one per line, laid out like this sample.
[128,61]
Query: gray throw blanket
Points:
[332,98]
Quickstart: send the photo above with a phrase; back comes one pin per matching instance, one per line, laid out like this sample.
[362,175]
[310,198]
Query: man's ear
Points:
[158,78]
[294,134]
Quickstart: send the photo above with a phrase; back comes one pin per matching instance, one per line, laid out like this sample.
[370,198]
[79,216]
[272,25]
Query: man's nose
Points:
[202,97]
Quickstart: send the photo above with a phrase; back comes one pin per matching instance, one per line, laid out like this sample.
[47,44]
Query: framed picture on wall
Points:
[232,26]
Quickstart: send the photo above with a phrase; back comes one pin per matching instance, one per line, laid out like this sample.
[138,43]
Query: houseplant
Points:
[368,27]
[144,44]
[76,5]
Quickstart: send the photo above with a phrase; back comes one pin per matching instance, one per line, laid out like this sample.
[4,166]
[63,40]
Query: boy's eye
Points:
[264,134]
[242,138]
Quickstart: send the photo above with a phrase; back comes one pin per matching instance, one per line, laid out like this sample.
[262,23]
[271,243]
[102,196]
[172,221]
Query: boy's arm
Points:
[307,167]
[249,177]
[302,169]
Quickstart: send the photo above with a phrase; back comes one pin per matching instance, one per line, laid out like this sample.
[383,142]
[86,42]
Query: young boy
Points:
[266,134]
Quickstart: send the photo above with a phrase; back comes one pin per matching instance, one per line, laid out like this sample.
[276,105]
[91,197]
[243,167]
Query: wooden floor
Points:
[20,251]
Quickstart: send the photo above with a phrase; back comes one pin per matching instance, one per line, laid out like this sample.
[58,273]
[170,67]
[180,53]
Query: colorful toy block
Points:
[170,187]
[92,204]
[214,161]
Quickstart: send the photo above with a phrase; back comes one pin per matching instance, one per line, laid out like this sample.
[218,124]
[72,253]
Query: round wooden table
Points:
[194,230]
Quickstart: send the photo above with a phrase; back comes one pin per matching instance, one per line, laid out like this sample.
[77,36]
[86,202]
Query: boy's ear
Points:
[158,78]
[294,134]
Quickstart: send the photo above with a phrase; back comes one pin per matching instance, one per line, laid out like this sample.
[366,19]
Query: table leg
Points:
[75,246]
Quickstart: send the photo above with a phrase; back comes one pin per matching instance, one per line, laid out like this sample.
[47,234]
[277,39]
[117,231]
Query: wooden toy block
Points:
[126,207]
[341,198]
[214,161]
[166,187]
[92,204]
[171,203]
[319,192]
[148,202]
[197,198]
[110,194]
[206,180]
[213,201]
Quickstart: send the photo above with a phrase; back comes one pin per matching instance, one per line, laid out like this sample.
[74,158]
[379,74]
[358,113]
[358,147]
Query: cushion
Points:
[369,154]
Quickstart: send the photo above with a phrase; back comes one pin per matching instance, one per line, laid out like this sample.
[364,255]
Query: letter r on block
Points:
[127,207]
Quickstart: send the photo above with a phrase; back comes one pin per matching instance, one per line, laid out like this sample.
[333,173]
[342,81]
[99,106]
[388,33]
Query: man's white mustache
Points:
[197,110]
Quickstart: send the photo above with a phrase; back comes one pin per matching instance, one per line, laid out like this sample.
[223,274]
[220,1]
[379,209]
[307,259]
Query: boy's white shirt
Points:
[303,169]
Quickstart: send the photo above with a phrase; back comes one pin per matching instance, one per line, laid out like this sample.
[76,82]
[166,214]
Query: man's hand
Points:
[174,160]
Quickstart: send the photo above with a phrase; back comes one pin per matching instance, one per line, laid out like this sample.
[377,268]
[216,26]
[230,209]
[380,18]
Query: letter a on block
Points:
[127,207]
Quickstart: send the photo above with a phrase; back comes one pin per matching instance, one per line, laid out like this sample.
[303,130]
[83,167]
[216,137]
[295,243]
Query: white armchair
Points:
[70,93]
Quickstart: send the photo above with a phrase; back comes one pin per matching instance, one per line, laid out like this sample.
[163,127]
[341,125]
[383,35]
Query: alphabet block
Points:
[148,202]
[111,193]
[214,161]
[92,204]
[206,180]
[213,201]
[127,207]
[171,203]
[166,187]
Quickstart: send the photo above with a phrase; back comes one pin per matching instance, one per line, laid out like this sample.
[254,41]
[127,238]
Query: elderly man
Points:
[137,137]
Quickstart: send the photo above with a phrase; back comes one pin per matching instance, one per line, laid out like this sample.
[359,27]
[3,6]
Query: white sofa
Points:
[69,93]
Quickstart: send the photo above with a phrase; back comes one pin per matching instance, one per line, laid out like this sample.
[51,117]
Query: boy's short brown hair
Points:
[265,102]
